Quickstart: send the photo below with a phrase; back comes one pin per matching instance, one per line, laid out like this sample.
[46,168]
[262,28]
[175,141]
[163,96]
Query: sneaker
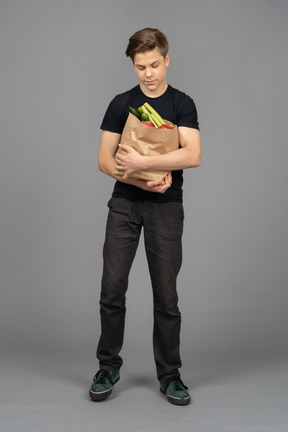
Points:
[102,385]
[175,391]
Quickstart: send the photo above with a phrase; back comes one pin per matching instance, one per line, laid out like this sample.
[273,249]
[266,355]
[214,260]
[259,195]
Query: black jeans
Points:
[163,227]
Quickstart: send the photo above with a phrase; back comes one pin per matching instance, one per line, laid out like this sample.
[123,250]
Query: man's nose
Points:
[149,72]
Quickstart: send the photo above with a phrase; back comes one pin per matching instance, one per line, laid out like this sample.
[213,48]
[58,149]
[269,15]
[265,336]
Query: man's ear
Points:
[166,60]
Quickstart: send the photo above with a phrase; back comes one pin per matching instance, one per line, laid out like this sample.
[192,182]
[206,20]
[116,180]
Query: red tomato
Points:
[165,126]
[148,123]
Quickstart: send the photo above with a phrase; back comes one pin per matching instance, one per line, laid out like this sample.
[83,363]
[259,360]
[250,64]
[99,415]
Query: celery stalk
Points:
[152,111]
[144,109]
[155,120]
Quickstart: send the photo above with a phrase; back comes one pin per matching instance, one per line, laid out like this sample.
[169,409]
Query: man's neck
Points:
[154,94]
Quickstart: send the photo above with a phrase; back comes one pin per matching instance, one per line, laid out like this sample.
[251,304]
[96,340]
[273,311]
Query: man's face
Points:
[150,67]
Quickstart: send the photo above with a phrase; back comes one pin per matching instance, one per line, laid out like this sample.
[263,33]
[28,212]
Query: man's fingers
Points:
[168,178]
[125,147]
[119,157]
[153,183]
[126,174]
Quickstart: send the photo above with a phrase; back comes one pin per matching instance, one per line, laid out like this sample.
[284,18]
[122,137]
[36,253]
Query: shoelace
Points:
[178,384]
[101,376]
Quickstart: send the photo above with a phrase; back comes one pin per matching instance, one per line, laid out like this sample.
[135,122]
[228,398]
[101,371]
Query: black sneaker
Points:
[175,391]
[102,385]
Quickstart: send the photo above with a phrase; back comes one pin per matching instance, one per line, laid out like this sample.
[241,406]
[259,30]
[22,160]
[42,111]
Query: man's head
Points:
[148,49]
[147,40]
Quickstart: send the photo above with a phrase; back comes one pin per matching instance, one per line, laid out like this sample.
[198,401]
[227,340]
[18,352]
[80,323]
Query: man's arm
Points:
[187,156]
[106,163]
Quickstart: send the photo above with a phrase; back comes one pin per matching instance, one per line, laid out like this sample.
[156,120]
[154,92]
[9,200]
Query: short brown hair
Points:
[147,39]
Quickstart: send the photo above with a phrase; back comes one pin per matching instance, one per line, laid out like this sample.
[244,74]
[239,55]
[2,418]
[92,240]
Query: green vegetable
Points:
[135,112]
[144,117]
[147,113]
[157,117]
[155,120]
[144,110]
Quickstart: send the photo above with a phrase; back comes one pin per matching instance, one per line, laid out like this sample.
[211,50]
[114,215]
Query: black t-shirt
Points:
[174,106]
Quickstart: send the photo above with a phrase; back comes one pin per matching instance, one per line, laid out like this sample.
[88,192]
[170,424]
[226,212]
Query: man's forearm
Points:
[175,160]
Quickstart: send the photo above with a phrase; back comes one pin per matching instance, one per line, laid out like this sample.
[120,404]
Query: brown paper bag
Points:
[148,141]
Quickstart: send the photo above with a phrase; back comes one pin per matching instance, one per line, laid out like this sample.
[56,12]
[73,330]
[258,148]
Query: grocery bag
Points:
[148,141]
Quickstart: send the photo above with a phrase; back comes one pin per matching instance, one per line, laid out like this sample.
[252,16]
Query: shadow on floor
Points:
[72,368]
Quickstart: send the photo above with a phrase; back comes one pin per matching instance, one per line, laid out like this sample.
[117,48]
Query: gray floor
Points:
[41,392]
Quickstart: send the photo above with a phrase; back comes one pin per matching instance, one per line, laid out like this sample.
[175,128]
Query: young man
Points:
[156,207]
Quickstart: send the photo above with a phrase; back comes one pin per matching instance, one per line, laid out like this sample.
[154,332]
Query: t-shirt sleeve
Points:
[187,113]
[112,120]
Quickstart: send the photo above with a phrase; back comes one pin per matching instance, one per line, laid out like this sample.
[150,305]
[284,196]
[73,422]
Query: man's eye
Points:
[141,68]
[155,66]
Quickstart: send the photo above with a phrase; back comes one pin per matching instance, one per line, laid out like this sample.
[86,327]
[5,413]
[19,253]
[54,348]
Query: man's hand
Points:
[130,162]
[158,186]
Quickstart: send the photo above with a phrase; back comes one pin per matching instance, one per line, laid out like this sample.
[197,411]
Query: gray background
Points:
[61,64]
